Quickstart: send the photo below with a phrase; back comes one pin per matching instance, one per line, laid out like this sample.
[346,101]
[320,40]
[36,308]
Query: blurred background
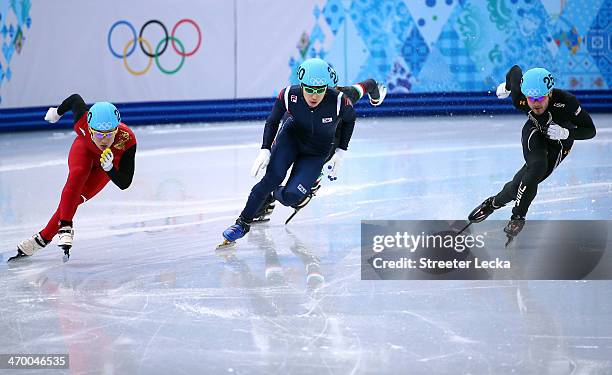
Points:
[185,61]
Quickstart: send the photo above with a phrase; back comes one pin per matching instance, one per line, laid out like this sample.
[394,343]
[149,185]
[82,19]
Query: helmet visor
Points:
[101,135]
[315,89]
[536,98]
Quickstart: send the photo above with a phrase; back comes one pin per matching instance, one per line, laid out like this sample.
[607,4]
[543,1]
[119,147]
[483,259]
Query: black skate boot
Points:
[514,227]
[265,211]
[483,211]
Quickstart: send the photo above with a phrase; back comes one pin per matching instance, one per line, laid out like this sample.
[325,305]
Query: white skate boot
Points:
[29,247]
[65,237]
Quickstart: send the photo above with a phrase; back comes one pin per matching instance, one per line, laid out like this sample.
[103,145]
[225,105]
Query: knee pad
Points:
[291,198]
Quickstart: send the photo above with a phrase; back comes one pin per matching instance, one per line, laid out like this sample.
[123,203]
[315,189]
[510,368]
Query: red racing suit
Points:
[86,177]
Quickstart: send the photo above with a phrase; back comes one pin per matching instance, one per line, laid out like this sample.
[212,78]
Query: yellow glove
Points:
[106,159]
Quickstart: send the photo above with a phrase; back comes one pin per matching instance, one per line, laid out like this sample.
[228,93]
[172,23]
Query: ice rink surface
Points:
[145,293]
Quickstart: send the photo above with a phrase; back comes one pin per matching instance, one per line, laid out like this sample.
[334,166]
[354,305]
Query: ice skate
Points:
[265,211]
[234,233]
[514,227]
[483,211]
[65,237]
[29,247]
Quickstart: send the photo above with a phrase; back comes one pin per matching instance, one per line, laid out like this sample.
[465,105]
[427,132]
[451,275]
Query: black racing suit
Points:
[542,155]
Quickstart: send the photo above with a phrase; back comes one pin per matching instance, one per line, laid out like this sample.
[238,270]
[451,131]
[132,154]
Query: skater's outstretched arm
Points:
[513,84]
[357,91]
[123,176]
[74,103]
[578,116]
[273,120]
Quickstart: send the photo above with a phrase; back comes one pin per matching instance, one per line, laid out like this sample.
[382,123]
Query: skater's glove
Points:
[557,133]
[52,115]
[502,93]
[382,92]
[106,159]
[334,164]
[261,162]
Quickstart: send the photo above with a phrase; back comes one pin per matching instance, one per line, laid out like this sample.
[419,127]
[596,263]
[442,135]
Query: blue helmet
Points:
[537,82]
[103,117]
[316,72]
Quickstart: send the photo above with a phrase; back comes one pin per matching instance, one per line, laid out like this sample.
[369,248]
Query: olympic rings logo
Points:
[147,48]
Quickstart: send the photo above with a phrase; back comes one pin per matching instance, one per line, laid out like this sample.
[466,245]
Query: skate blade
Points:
[19,256]
[66,255]
[225,244]
[510,238]
[464,228]
[264,220]
[292,215]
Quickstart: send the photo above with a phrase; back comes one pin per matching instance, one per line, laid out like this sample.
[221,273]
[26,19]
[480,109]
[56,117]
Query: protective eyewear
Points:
[102,135]
[536,98]
[315,90]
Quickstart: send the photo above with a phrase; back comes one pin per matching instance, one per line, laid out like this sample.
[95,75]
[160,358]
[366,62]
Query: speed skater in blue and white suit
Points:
[305,140]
